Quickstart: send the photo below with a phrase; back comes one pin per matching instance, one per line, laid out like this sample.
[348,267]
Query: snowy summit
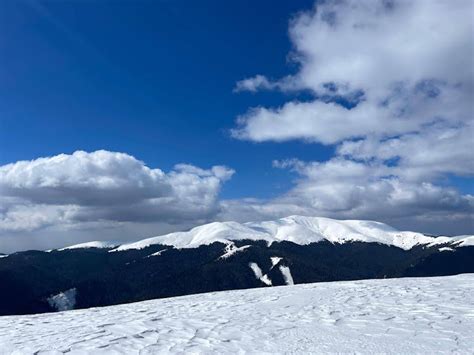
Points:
[297,229]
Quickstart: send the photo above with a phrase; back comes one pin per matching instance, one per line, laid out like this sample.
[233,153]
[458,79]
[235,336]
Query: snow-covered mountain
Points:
[397,316]
[299,230]
[224,256]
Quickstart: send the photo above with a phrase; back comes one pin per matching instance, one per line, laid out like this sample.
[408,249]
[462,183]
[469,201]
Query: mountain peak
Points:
[297,229]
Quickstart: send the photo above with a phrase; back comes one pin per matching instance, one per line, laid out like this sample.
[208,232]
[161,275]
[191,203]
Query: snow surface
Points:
[286,272]
[299,230]
[275,260]
[158,253]
[398,316]
[231,249]
[465,240]
[94,244]
[259,274]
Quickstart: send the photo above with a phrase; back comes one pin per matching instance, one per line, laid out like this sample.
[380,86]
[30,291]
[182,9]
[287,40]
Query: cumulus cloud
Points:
[406,110]
[409,64]
[368,44]
[104,187]
[392,86]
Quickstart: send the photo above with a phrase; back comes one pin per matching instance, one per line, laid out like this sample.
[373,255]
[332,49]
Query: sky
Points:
[121,120]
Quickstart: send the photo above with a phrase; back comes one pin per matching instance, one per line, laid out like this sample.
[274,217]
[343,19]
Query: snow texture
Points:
[398,316]
[94,244]
[465,241]
[63,301]
[299,230]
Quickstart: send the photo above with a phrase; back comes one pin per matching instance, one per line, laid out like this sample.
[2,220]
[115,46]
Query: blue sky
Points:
[344,109]
[154,79]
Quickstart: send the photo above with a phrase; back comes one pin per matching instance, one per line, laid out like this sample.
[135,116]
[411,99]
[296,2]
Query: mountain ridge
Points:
[300,230]
[223,256]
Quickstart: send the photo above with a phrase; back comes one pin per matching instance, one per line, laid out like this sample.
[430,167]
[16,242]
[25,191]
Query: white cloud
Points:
[104,187]
[393,86]
[341,188]
[367,44]
[358,190]
[21,215]
[259,82]
[407,110]
[427,155]
[254,84]
[406,64]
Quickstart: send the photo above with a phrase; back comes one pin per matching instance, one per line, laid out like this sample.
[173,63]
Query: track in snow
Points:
[413,315]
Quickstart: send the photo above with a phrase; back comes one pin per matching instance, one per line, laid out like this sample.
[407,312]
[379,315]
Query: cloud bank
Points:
[104,187]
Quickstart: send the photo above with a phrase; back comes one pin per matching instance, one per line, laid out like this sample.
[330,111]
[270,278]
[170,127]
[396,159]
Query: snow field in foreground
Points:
[412,315]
